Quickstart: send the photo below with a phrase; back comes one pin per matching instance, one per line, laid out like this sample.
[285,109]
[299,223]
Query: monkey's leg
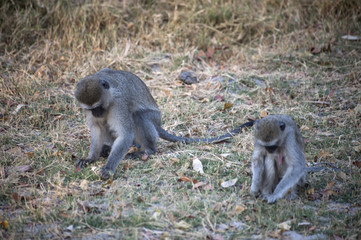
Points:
[96,143]
[269,177]
[289,181]
[146,133]
[119,149]
[293,193]
[257,173]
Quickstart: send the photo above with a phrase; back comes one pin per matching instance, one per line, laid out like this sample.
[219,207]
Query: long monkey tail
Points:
[172,138]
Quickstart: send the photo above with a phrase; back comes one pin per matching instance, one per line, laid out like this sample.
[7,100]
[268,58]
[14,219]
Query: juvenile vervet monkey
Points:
[121,111]
[278,160]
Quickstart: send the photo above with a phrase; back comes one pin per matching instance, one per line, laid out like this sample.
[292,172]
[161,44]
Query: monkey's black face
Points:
[98,111]
[271,149]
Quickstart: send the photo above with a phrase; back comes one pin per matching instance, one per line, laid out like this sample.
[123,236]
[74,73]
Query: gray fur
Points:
[272,178]
[121,111]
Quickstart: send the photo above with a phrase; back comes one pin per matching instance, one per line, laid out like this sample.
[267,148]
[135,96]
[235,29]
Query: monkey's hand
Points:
[271,198]
[254,193]
[83,162]
[106,173]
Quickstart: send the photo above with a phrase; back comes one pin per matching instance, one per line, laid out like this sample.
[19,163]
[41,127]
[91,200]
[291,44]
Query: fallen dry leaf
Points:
[285,225]
[173,160]
[99,193]
[18,107]
[15,196]
[323,154]
[63,215]
[210,51]
[219,98]
[88,207]
[313,228]
[310,191]
[329,185]
[342,175]
[57,153]
[201,55]
[23,168]
[16,151]
[357,163]
[229,183]
[29,154]
[304,223]
[227,105]
[328,191]
[182,225]
[239,209]
[315,50]
[351,38]
[156,214]
[127,166]
[263,114]
[108,182]
[187,179]
[276,234]
[335,237]
[84,184]
[171,217]
[197,165]
[199,184]
[203,99]
[4,224]
[208,187]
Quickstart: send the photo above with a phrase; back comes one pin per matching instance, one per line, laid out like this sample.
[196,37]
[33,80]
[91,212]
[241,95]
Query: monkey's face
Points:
[90,93]
[269,132]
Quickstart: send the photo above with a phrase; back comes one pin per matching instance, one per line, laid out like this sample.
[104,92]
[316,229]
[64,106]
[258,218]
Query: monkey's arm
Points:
[295,171]
[96,144]
[257,171]
[172,138]
[119,149]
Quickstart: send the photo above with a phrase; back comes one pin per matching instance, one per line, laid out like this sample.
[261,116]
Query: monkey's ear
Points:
[105,84]
[282,126]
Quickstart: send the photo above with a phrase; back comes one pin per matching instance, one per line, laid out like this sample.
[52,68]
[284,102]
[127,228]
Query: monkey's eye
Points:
[105,84]
[282,126]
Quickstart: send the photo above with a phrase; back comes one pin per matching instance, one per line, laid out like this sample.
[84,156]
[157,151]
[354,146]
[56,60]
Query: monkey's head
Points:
[91,95]
[270,132]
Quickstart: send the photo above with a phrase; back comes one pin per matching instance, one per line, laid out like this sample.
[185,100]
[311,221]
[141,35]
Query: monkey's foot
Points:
[106,173]
[83,162]
[134,155]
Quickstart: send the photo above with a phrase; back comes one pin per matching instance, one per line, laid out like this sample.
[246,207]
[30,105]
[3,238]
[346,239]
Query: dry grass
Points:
[282,56]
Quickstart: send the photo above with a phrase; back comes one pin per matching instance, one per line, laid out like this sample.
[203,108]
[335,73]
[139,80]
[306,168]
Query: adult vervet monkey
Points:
[278,160]
[121,111]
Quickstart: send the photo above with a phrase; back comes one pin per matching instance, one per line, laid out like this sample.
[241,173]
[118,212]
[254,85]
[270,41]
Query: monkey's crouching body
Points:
[278,161]
[121,111]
